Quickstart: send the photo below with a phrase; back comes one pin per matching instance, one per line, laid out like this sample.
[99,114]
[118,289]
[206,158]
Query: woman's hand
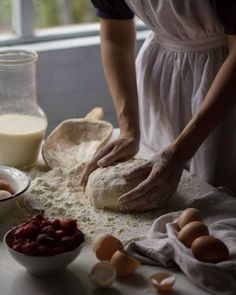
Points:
[162,172]
[123,148]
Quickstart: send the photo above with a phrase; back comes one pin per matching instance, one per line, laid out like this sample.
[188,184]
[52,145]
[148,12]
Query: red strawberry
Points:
[49,230]
[45,239]
[29,248]
[44,250]
[31,230]
[17,247]
[78,237]
[60,233]
[68,243]
[69,225]
[19,233]
[56,223]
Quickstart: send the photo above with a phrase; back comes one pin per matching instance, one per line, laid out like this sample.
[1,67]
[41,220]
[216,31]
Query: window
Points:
[62,12]
[27,21]
[5,16]
[23,21]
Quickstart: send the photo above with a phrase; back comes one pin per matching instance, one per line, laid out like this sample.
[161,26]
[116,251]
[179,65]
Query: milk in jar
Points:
[20,139]
[22,120]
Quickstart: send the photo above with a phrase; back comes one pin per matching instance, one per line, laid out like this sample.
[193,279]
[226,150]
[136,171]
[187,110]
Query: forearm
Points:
[219,100]
[118,55]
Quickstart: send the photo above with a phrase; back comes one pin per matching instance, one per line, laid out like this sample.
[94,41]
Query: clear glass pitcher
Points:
[22,122]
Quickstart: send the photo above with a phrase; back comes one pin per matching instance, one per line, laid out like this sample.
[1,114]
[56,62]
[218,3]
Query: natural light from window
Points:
[5,16]
[54,13]
[27,21]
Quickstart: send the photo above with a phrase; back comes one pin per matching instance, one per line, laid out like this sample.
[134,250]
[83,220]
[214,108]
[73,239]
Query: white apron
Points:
[175,68]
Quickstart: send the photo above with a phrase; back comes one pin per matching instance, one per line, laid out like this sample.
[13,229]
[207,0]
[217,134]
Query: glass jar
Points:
[22,122]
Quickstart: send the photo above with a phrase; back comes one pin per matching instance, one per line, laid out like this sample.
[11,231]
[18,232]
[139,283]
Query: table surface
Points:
[14,280]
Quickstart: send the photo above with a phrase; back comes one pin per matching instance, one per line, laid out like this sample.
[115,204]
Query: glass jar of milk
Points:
[22,121]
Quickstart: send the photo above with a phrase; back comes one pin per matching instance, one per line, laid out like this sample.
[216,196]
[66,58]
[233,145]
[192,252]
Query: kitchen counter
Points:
[14,280]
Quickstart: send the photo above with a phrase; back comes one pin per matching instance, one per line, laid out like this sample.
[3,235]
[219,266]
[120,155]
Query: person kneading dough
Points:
[106,185]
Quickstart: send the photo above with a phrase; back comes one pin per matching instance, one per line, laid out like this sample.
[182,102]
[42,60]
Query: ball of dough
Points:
[106,185]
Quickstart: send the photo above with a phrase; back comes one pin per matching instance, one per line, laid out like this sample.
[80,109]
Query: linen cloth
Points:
[162,247]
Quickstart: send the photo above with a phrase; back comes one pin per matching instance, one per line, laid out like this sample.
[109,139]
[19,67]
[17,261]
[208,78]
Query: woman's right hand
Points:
[123,148]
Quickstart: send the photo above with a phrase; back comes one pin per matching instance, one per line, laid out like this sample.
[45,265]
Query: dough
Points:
[106,185]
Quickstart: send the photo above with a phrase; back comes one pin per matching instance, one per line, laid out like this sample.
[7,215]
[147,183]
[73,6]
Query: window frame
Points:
[22,26]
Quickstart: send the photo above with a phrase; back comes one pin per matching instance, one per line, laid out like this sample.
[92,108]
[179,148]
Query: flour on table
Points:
[58,193]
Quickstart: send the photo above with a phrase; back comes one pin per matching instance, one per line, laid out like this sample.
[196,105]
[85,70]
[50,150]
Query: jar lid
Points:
[11,57]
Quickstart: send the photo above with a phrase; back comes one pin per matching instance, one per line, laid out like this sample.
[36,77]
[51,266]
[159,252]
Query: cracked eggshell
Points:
[163,281]
[103,274]
[189,215]
[124,264]
[105,245]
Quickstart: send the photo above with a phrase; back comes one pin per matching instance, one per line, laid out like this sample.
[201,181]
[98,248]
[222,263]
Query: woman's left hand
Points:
[162,172]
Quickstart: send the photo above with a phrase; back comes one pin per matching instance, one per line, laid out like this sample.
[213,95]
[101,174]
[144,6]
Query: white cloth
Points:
[175,68]
[162,246]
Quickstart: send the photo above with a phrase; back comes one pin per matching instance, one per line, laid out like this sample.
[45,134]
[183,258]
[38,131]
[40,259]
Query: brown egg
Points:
[124,264]
[5,186]
[188,215]
[105,245]
[191,231]
[209,249]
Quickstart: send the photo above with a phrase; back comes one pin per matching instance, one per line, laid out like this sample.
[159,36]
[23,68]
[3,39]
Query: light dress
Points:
[175,68]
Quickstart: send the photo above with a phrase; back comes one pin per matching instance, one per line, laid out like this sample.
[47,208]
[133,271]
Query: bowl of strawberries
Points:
[45,246]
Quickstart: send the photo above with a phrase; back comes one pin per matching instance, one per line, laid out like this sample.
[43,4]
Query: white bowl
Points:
[19,183]
[41,265]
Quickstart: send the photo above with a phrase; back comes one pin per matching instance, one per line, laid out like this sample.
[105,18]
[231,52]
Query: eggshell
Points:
[163,281]
[105,246]
[191,231]
[4,185]
[4,194]
[103,274]
[188,215]
[209,249]
[124,264]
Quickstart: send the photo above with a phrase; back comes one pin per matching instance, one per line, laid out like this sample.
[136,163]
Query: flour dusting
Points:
[76,155]
[58,193]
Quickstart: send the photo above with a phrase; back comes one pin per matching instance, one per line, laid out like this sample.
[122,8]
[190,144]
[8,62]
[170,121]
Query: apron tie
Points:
[192,45]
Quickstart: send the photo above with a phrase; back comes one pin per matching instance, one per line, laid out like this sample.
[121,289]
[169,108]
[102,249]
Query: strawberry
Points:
[31,230]
[29,248]
[45,239]
[49,230]
[44,250]
[60,233]
[56,223]
[68,242]
[78,237]
[69,226]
